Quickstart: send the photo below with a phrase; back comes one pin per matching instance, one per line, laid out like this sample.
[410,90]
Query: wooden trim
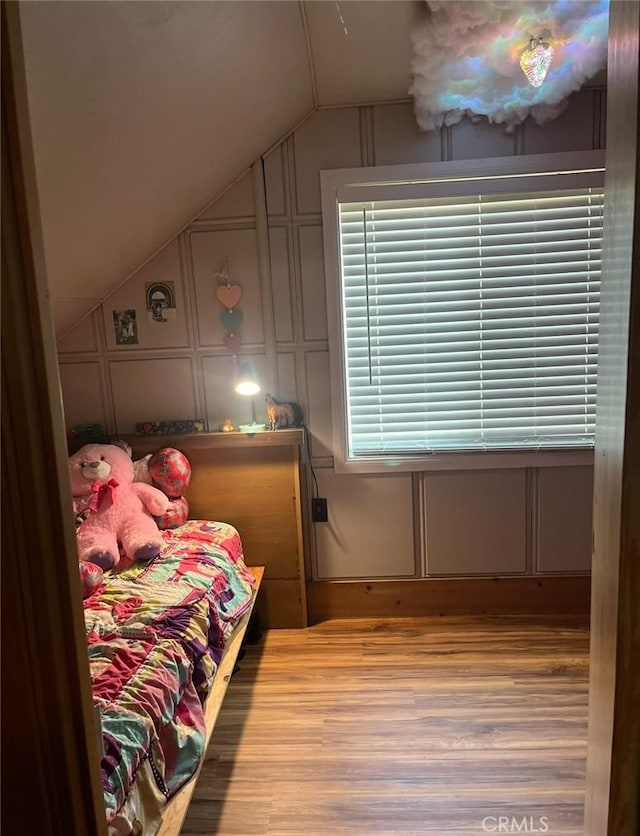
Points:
[143,444]
[613,759]
[50,759]
[448,596]
[176,809]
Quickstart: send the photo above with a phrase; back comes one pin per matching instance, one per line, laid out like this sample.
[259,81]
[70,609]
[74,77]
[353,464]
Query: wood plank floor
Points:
[402,726]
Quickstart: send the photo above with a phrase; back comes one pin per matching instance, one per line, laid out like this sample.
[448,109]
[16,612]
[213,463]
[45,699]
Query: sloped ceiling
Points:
[142,112]
[371,60]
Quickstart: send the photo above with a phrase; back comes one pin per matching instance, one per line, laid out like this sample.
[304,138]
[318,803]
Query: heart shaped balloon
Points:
[232,342]
[231,320]
[229,295]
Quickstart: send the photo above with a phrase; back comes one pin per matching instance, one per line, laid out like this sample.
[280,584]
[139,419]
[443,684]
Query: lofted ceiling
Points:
[142,112]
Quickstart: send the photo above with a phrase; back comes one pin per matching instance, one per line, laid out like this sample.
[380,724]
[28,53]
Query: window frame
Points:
[397,182]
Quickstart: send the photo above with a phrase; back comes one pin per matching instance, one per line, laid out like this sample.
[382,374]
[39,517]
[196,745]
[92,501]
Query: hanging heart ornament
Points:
[229,295]
[231,320]
[535,61]
[232,342]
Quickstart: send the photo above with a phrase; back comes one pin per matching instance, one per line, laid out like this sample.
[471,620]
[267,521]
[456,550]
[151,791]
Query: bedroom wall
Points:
[510,522]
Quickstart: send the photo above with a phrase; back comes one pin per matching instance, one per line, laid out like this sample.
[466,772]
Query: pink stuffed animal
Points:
[119,509]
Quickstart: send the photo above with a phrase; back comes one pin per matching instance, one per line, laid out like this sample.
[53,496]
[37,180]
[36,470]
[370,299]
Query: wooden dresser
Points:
[253,482]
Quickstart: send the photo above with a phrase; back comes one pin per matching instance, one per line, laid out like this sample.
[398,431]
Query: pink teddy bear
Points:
[118,509]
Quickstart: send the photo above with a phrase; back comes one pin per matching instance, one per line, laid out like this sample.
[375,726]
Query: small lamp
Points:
[248,383]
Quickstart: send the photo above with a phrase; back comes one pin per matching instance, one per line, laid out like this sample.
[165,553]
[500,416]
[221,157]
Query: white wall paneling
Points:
[66,312]
[276,185]
[174,333]
[281,281]
[370,527]
[312,287]
[475,522]
[470,140]
[367,150]
[209,249]
[221,401]
[235,204]
[564,511]
[82,396]
[329,139]
[574,130]
[319,402]
[398,140]
[82,340]
[152,390]
[287,377]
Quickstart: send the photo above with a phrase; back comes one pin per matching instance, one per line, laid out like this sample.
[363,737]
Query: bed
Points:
[163,638]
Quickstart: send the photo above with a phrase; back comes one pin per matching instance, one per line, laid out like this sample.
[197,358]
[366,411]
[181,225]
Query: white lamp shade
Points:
[248,382]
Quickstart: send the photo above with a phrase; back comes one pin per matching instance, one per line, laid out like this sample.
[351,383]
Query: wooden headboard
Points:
[254,483]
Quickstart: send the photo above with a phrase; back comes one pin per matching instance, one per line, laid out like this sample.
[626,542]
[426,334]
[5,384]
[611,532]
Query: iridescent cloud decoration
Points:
[468,54]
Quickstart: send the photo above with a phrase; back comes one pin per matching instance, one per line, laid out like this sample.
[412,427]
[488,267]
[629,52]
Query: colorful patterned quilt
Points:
[156,633]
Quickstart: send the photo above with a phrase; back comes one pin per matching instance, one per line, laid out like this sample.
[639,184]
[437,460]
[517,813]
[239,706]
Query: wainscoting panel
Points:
[370,528]
[275,185]
[82,394]
[221,401]
[471,140]
[152,390]
[319,402]
[397,140]
[314,297]
[573,130]
[475,522]
[281,283]
[82,340]
[236,204]
[209,250]
[287,376]
[329,139]
[564,512]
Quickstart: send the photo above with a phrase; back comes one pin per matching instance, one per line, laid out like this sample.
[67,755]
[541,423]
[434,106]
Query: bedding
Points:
[156,633]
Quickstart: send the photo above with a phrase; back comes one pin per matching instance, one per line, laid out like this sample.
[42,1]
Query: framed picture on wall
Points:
[125,327]
[161,301]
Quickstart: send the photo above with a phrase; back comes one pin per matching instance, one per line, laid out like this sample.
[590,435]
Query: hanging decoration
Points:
[536,60]
[229,296]
[468,58]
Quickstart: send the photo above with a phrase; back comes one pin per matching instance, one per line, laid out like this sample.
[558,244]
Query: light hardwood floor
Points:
[402,726]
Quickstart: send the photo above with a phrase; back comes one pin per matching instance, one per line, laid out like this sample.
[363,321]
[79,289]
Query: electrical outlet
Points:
[319,509]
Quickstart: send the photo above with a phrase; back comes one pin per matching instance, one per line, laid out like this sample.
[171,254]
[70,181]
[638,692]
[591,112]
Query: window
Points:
[468,308]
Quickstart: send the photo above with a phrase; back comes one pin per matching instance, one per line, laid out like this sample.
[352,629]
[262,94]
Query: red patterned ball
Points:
[91,578]
[170,471]
[176,514]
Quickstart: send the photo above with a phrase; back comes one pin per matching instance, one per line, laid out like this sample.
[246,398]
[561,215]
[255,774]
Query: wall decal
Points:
[125,327]
[466,58]
[161,304]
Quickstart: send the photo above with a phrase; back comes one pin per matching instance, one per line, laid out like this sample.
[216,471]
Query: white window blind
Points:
[471,322]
